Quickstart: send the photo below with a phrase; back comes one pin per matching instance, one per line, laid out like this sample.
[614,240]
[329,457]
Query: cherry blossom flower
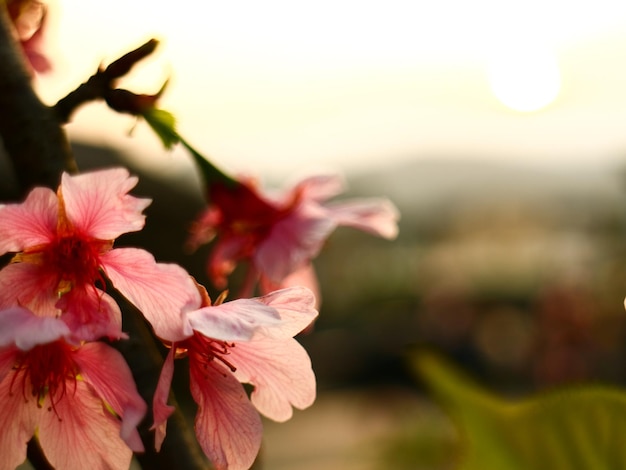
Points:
[70,396]
[64,245]
[29,23]
[242,341]
[279,236]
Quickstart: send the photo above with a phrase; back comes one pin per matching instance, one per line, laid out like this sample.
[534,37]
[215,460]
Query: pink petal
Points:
[98,203]
[320,187]
[78,433]
[30,223]
[296,307]
[376,216]
[303,277]
[162,292]
[225,254]
[30,286]
[25,330]
[204,228]
[91,314]
[18,420]
[233,321]
[8,357]
[106,371]
[281,373]
[294,241]
[228,428]
[160,409]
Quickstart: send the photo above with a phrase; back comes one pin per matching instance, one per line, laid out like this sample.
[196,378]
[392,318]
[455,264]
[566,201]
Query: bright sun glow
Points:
[525,79]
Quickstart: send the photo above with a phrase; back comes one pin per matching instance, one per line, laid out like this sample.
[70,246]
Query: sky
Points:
[279,87]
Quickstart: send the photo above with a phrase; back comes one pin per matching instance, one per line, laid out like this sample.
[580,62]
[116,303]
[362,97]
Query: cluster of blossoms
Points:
[62,383]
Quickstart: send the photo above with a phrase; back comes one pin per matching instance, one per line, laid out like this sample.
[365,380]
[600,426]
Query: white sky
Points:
[277,86]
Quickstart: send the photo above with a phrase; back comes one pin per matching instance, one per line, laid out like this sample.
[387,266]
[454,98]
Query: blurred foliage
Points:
[576,427]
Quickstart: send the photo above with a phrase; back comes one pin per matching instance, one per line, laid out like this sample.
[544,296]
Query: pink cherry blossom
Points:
[279,236]
[29,19]
[243,341]
[70,396]
[64,245]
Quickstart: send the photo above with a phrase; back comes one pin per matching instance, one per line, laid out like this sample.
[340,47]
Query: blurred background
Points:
[498,129]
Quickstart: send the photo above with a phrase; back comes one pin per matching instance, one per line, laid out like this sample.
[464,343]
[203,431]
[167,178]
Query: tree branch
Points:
[30,130]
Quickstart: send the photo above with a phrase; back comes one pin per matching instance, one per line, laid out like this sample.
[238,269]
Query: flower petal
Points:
[8,356]
[233,321]
[78,433]
[296,307]
[228,428]
[225,254]
[376,216]
[320,187]
[281,373]
[160,409]
[98,203]
[18,420]
[30,286]
[106,371]
[30,223]
[91,314]
[294,241]
[162,292]
[25,330]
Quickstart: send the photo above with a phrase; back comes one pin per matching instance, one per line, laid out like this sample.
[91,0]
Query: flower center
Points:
[204,351]
[76,260]
[46,370]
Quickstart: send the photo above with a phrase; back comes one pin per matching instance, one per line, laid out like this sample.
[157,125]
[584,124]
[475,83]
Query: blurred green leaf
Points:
[573,428]
[163,123]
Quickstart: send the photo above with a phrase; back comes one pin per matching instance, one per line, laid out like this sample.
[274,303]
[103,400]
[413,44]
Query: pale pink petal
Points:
[281,373]
[160,409]
[98,203]
[162,292]
[296,307]
[320,187]
[25,330]
[18,419]
[30,223]
[30,286]
[376,216]
[294,241]
[106,371]
[233,321]
[78,433]
[91,314]
[228,428]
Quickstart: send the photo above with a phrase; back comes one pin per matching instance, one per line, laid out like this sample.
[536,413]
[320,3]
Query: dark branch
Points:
[30,131]
[101,85]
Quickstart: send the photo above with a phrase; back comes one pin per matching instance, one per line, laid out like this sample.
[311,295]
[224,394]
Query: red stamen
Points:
[46,371]
[205,350]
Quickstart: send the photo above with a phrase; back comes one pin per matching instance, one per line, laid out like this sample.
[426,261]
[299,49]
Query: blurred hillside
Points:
[516,271]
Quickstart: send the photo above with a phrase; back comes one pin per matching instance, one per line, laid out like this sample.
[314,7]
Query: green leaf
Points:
[210,172]
[579,427]
[163,123]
